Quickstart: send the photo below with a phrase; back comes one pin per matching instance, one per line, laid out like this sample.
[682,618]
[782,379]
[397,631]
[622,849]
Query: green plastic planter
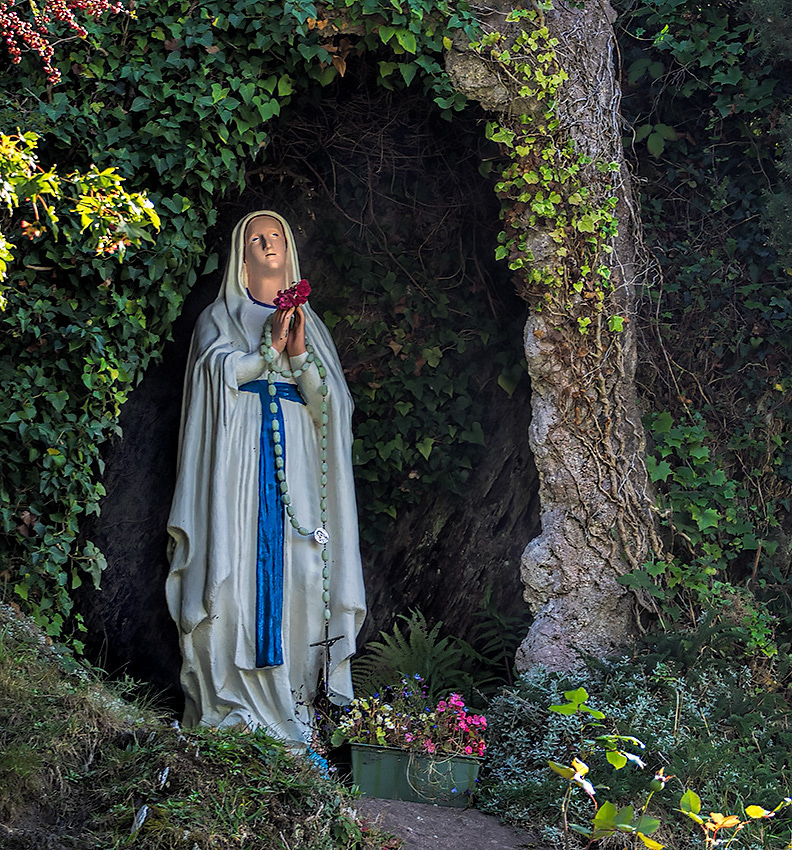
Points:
[399,775]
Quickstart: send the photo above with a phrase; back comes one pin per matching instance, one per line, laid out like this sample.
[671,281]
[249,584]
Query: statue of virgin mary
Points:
[265,583]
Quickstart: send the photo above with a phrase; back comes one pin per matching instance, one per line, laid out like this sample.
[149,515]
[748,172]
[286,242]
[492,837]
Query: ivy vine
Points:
[179,100]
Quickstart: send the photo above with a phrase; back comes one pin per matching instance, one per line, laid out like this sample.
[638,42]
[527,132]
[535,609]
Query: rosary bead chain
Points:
[280,473]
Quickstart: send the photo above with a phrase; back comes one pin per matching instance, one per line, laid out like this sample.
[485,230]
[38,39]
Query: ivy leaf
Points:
[285,87]
[669,134]
[508,382]
[408,72]
[425,447]
[386,34]
[474,435]
[637,69]
[663,423]
[387,68]
[433,356]
[407,40]
[658,471]
[704,519]
[656,144]
[730,78]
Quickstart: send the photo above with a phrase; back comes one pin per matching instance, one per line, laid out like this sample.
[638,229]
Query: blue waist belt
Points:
[269,541]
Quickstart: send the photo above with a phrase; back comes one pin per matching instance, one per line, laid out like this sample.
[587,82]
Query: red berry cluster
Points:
[17,33]
[32,229]
[34,35]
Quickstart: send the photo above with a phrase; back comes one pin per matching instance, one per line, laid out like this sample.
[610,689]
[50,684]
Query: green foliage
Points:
[715,535]
[424,329]
[421,651]
[80,764]
[55,415]
[177,102]
[548,186]
[703,78]
[710,728]
[610,820]
[444,663]
[112,217]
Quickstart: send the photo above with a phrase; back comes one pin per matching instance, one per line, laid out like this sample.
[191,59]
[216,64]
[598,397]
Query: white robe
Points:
[211,588]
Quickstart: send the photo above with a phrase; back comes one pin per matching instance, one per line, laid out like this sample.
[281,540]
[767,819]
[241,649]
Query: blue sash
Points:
[269,542]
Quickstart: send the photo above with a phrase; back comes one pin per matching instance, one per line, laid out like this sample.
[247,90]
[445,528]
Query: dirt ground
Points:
[423,826]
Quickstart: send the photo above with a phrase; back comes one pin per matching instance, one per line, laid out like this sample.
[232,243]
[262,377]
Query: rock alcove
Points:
[388,200]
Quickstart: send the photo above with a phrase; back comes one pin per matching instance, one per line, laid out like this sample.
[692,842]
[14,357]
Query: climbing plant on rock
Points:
[563,189]
[178,102]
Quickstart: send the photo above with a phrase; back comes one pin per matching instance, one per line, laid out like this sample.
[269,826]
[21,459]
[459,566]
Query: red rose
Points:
[301,291]
[293,296]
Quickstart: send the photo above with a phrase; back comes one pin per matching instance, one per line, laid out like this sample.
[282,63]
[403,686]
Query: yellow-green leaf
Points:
[756,812]
[561,770]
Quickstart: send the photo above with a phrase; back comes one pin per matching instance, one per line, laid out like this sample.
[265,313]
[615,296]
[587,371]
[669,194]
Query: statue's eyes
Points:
[254,239]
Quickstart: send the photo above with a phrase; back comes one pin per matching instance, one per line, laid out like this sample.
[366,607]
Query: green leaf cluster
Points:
[712,727]
[714,531]
[547,186]
[177,102]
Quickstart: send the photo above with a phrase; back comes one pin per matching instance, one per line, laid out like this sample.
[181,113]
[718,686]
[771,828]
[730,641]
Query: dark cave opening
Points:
[397,225]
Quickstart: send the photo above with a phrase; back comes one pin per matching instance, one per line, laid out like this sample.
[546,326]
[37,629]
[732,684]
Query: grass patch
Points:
[84,766]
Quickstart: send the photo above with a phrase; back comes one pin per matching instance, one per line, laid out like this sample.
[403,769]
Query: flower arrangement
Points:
[402,716]
[294,296]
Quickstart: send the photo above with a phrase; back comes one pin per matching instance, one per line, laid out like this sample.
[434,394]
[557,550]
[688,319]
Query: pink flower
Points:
[429,746]
[409,737]
[442,705]
[294,296]
[469,750]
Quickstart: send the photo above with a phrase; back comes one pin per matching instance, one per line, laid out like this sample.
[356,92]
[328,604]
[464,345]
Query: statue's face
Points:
[265,247]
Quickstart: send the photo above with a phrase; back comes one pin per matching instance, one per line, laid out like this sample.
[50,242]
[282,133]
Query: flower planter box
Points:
[399,775]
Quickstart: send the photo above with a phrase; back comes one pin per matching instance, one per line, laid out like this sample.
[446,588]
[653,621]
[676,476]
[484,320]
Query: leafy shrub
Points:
[710,728]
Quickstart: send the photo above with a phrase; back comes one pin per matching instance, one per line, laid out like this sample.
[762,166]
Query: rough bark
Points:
[585,434]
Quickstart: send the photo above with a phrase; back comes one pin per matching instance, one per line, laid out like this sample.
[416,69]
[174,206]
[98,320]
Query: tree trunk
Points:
[585,434]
